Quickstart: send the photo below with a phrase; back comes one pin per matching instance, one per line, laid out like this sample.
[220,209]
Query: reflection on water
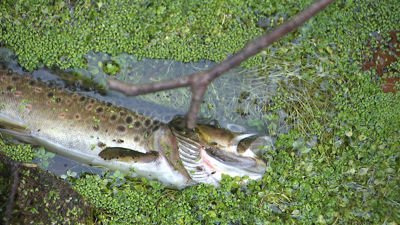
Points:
[60,165]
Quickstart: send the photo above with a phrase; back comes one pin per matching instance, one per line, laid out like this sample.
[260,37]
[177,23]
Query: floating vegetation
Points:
[110,67]
[335,157]
[383,58]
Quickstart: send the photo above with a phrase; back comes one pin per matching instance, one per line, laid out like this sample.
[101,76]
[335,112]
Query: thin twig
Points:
[199,81]
[14,170]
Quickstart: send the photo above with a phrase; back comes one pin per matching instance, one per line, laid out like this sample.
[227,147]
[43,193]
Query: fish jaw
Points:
[207,153]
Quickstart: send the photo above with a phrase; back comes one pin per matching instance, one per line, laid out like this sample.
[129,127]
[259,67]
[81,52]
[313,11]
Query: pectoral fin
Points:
[127,155]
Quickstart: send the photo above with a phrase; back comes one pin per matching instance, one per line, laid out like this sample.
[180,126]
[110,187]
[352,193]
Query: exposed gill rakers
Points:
[192,160]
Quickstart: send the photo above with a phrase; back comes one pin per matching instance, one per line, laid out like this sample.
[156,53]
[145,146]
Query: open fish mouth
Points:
[208,151]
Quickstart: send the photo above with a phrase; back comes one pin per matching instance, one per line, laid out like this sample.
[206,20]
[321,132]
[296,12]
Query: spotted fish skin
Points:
[81,127]
[89,123]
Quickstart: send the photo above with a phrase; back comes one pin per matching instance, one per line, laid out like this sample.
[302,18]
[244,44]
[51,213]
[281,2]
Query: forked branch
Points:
[199,81]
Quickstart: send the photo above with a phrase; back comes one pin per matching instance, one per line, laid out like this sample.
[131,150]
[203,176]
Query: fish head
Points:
[208,151]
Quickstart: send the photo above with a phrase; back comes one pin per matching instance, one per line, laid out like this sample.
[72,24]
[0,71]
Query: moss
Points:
[42,198]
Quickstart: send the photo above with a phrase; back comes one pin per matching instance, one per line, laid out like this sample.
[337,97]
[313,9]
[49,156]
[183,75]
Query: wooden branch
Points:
[199,81]
[14,168]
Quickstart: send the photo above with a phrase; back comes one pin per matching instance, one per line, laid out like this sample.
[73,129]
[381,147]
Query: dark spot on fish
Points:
[199,168]
[58,100]
[32,82]
[100,109]
[136,139]
[9,88]
[14,79]
[101,144]
[113,117]
[154,153]
[177,128]
[122,113]
[155,128]
[155,122]
[122,155]
[83,98]
[96,127]
[128,120]
[109,104]
[92,101]
[38,130]
[213,172]
[3,66]
[50,95]
[213,143]
[147,123]
[120,141]
[137,124]
[114,140]
[121,128]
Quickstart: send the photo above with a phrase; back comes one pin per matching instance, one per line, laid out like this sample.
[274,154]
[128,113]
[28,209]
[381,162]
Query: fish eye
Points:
[236,128]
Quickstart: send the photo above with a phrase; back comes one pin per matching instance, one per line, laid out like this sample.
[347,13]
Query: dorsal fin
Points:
[128,155]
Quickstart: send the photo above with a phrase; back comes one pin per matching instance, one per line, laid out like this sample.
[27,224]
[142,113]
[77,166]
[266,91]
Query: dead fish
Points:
[99,133]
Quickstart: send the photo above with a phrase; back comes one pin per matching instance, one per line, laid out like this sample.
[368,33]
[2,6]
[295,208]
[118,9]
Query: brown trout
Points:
[99,133]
